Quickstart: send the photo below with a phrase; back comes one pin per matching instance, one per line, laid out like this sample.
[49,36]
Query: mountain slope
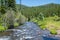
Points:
[46,9]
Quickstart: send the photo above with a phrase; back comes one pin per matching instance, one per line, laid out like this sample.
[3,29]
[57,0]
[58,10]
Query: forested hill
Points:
[48,9]
[18,6]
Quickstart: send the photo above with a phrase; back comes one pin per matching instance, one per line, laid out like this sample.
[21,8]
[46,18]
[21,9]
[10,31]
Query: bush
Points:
[2,9]
[16,24]
[2,28]
[53,31]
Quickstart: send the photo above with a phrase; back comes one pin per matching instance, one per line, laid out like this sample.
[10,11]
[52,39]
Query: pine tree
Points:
[2,7]
[11,4]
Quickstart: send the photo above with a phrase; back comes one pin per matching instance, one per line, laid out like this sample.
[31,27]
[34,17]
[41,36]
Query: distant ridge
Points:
[47,8]
[36,6]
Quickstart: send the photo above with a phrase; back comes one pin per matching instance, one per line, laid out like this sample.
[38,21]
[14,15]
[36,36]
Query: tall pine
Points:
[11,4]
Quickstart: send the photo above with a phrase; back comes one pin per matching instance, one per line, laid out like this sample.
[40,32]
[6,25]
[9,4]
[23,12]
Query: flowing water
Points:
[28,31]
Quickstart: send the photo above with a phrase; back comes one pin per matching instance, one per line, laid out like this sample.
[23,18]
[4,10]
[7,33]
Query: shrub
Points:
[53,31]
[2,28]
[2,9]
[16,24]
[43,27]
[8,18]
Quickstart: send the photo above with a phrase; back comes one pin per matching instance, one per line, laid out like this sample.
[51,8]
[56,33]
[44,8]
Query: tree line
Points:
[47,10]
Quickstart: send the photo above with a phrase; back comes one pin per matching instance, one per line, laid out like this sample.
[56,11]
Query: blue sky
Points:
[37,2]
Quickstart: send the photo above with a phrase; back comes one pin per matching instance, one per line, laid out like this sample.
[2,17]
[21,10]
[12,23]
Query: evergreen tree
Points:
[11,4]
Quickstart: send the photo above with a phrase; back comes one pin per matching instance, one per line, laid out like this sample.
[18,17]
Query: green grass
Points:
[49,22]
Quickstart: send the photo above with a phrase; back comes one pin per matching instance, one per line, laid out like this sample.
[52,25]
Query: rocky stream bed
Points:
[28,31]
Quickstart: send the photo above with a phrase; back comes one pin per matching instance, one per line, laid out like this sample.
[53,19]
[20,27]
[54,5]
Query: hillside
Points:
[19,6]
[47,8]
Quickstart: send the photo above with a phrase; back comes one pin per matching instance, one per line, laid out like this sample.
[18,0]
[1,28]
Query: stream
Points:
[28,31]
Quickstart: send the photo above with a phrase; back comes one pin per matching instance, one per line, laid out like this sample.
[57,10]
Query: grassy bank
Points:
[50,23]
